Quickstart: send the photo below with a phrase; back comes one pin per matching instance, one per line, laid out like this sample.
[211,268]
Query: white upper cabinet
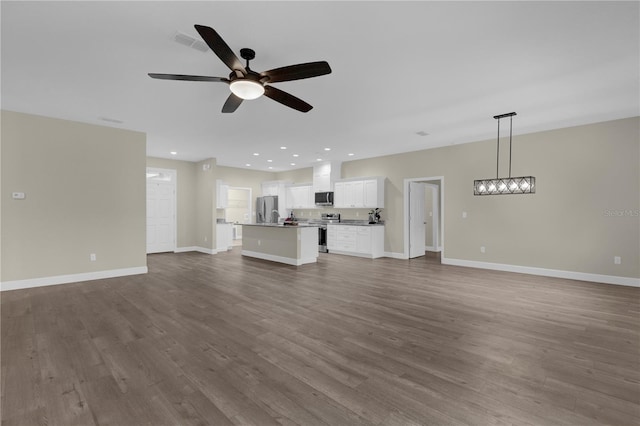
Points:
[324,175]
[300,197]
[222,194]
[359,193]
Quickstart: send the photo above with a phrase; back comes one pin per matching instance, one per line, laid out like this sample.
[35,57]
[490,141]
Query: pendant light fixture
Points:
[510,185]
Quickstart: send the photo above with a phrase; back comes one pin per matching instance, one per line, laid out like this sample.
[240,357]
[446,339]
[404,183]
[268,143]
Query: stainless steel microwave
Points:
[324,198]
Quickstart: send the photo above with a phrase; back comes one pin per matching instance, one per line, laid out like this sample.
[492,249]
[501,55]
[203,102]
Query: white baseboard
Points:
[72,278]
[274,258]
[395,255]
[580,276]
[195,248]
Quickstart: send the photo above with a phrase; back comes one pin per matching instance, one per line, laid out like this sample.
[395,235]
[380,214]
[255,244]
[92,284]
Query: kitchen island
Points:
[293,245]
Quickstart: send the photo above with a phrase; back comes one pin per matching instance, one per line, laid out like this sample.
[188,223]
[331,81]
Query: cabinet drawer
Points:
[346,246]
[347,228]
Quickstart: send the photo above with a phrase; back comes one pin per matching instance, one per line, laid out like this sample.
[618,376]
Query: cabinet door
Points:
[306,199]
[290,199]
[269,189]
[222,195]
[370,194]
[363,240]
[357,194]
[332,237]
[339,195]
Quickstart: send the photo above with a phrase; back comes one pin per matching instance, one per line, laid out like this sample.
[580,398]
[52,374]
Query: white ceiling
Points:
[444,68]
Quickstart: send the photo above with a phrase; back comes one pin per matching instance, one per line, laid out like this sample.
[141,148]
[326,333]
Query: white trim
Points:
[394,255]
[274,258]
[580,276]
[65,279]
[406,209]
[196,248]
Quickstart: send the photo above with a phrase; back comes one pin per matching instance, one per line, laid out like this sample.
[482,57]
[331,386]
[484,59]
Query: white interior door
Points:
[416,219]
[161,216]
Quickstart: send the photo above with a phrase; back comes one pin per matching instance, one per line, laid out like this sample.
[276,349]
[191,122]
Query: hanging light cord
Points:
[498,152]
[510,134]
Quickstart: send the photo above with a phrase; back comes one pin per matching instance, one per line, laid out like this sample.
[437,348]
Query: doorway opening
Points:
[239,210]
[424,217]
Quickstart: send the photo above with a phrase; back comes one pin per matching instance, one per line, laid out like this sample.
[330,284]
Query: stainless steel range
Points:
[325,218]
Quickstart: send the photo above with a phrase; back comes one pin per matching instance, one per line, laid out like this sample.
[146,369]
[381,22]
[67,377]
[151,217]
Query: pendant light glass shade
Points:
[508,185]
[247,89]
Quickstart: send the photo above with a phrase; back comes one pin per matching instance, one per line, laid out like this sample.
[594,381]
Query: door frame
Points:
[435,219]
[417,210]
[429,179]
[174,174]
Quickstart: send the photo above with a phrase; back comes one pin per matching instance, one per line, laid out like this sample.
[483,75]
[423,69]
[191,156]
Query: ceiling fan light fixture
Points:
[246,89]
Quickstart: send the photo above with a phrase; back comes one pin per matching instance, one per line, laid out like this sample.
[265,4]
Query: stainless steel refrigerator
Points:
[267,209]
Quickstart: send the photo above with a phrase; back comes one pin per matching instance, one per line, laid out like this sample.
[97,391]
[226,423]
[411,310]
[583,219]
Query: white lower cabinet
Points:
[363,241]
[224,236]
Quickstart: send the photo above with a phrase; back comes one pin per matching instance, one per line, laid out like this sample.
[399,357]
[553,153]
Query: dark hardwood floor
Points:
[225,340]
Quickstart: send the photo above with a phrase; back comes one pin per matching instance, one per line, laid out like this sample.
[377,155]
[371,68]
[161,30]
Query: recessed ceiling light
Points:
[173,153]
[248,165]
[327,149]
[269,161]
[318,159]
[293,164]
[351,154]
[256,153]
[296,155]
[283,147]
[270,167]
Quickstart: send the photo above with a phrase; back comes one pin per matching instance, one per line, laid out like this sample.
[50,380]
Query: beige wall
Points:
[85,193]
[587,178]
[185,198]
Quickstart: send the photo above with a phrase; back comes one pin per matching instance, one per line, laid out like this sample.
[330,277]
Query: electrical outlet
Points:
[617,260]
[205,238]
[259,242]
[482,249]
[92,257]
[464,215]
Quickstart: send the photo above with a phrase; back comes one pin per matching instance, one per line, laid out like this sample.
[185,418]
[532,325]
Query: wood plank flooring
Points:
[224,340]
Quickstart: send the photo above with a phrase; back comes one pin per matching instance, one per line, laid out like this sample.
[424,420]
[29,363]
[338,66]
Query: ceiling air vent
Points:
[192,42]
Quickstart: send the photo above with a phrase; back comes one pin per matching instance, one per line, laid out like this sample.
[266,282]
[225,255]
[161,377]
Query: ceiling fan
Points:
[246,83]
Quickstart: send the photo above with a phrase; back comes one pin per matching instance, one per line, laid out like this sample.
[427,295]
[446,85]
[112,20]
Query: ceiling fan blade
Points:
[232,103]
[220,48]
[297,72]
[188,77]
[286,99]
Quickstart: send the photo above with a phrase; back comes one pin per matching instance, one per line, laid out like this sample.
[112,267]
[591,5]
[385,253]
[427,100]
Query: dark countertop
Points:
[357,223]
[280,225]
